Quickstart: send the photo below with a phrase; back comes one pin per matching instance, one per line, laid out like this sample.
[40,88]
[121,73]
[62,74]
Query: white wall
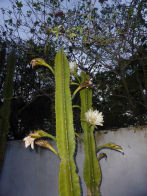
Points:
[35,173]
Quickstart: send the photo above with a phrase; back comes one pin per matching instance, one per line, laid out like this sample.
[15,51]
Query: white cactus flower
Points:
[94,117]
[29,141]
[72,67]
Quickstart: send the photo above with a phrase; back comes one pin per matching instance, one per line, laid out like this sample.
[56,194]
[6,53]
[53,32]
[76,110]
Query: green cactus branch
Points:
[68,178]
[6,107]
[92,172]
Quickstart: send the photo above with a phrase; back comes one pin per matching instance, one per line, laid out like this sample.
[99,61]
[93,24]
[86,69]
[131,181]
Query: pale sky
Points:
[4,3]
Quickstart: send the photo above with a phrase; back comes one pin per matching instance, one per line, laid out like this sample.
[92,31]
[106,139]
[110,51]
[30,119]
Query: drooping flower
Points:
[72,67]
[39,61]
[29,141]
[94,117]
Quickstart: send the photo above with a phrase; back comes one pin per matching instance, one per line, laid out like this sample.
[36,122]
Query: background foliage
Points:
[107,39]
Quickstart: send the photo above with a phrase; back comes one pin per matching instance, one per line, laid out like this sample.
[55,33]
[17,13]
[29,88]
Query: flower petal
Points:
[94,117]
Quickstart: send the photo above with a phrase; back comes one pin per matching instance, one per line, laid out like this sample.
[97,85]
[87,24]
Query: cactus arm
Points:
[92,172]
[68,179]
[6,107]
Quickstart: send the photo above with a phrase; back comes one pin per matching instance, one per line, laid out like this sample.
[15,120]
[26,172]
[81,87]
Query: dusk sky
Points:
[4,3]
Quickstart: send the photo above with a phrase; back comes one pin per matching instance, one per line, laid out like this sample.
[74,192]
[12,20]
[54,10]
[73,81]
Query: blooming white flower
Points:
[72,67]
[29,141]
[94,117]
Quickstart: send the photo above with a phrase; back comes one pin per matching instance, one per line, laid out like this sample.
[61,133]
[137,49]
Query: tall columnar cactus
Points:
[65,137]
[92,172]
[6,107]
[68,178]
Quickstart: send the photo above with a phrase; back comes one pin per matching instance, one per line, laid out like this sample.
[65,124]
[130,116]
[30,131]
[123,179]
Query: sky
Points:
[7,5]
[4,3]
